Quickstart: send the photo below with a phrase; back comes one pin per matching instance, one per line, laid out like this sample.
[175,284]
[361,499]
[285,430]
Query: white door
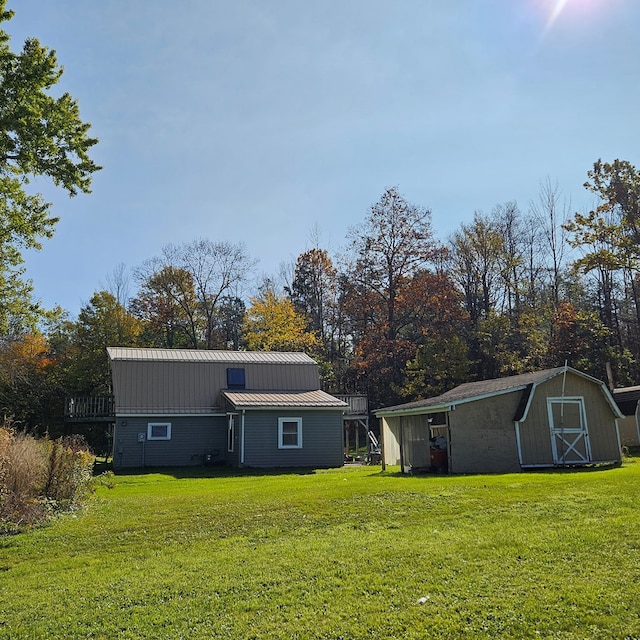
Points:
[569,432]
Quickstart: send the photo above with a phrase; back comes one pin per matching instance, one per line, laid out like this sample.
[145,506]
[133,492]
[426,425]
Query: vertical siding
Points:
[535,434]
[322,433]
[628,431]
[191,437]
[483,435]
[171,385]
[391,440]
[415,441]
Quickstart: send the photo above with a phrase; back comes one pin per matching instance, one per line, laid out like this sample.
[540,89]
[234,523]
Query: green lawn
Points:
[346,553]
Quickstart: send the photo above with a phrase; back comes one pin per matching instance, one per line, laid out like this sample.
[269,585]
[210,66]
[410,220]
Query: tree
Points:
[272,324]
[609,237]
[315,292]
[551,217]
[394,244]
[198,277]
[166,305]
[103,323]
[27,389]
[40,135]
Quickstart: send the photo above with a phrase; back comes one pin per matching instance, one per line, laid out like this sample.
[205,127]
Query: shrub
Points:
[39,476]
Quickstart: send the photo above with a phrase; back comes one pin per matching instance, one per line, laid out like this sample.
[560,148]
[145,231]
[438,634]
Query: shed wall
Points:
[191,438]
[482,435]
[535,435]
[390,428]
[415,434]
[322,433]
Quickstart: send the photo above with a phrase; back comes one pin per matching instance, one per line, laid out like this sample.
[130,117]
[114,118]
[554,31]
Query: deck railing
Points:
[89,408]
[358,403]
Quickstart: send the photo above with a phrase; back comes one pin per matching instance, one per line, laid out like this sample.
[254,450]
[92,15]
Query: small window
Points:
[289,433]
[159,431]
[235,379]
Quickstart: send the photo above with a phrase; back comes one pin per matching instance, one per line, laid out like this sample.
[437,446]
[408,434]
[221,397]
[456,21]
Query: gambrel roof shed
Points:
[544,418]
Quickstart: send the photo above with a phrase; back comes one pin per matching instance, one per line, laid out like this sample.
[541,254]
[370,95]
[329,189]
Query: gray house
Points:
[555,417]
[179,407]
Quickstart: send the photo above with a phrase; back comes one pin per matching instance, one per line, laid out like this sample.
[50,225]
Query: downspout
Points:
[401,445]
[242,438]
[449,456]
[383,422]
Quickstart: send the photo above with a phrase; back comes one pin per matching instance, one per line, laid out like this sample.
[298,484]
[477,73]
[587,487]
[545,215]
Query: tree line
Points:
[398,314]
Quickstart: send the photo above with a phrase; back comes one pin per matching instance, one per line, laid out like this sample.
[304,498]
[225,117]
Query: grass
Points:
[348,553]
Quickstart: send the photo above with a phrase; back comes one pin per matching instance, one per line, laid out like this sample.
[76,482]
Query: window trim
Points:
[150,426]
[281,422]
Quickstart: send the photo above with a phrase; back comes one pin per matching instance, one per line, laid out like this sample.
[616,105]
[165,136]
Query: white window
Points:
[159,431]
[289,433]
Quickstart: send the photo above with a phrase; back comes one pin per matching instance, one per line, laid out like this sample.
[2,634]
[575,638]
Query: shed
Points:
[179,407]
[627,400]
[554,417]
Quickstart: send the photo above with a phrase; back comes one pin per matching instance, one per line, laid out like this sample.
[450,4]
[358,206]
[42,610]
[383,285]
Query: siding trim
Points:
[170,415]
[518,443]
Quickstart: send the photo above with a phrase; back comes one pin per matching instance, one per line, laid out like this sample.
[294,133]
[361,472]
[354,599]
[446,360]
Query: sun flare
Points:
[579,10]
[556,10]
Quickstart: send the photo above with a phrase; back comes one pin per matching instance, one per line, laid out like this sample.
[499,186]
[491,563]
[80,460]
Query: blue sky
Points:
[260,121]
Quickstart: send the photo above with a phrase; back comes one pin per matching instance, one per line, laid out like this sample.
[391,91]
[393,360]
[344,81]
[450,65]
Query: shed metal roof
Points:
[279,399]
[206,355]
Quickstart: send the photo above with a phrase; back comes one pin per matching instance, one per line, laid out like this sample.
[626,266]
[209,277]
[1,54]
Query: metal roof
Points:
[205,355]
[627,399]
[280,399]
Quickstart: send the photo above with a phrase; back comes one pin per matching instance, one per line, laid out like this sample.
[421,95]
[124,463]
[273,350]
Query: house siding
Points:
[628,431]
[535,434]
[191,438]
[321,439]
[171,386]
[482,435]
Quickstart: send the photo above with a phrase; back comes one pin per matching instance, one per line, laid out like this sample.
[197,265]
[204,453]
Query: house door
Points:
[569,433]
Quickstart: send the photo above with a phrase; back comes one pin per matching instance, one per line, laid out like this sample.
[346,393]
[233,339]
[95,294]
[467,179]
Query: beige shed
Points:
[550,418]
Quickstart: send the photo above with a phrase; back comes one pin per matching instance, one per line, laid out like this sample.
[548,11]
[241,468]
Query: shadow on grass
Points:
[214,471]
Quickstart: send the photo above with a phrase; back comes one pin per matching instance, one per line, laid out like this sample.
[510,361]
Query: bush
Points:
[39,476]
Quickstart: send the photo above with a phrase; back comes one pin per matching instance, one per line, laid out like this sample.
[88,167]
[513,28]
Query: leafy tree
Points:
[393,246]
[394,242]
[316,293]
[40,135]
[28,393]
[272,324]
[608,237]
[229,321]
[166,305]
[102,323]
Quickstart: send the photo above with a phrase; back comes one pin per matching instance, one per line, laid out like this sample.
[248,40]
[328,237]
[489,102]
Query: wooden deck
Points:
[358,405]
[89,409]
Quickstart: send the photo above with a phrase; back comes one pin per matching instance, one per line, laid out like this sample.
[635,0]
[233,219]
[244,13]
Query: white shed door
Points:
[569,433]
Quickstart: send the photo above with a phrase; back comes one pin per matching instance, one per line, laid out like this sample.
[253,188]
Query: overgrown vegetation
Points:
[344,553]
[40,477]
